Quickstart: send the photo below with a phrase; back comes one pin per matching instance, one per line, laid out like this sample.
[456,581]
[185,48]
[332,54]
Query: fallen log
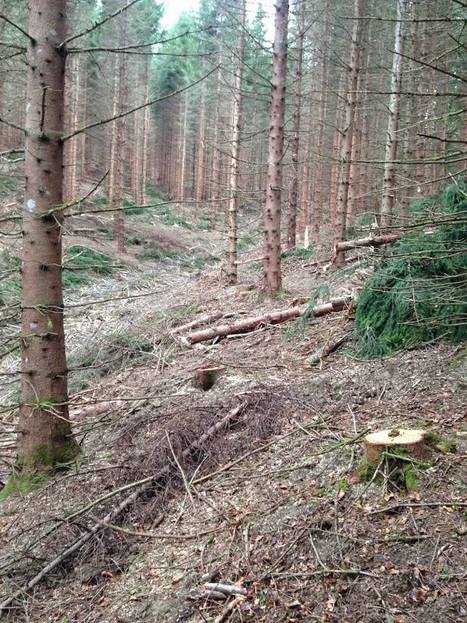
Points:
[198,322]
[370,241]
[250,324]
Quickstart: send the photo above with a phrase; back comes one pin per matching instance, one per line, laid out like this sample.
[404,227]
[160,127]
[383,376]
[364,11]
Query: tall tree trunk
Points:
[200,152]
[235,151]
[389,190]
[293,191]
[146,129]
[44,430]
[336,147]
[317,217]
[215,170]
[181,189]
[116,177]
[305,193]
[348,129]
[272,209]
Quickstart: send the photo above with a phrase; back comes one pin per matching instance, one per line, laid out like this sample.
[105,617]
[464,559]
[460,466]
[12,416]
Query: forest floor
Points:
[273,502]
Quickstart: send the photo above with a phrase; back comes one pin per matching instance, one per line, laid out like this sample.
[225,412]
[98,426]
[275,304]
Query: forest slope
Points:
[290,521]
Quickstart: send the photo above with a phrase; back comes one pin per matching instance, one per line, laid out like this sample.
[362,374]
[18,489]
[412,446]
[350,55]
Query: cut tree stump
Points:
[205,378]
[393,440]
[370,241]
[250,324]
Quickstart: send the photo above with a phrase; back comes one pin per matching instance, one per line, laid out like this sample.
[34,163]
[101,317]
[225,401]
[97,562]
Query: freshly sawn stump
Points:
[411,441]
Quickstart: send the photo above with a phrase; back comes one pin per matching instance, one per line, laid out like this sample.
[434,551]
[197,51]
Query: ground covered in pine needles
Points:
[272,501]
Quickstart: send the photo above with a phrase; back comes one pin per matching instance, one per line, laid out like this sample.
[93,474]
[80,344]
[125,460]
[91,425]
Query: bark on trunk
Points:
[272,208]
[44,430]
[388,202]
[116,177]
[235,153]
[293,192]
[348,130]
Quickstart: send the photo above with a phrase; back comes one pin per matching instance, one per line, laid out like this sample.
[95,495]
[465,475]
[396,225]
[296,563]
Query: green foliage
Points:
[79,264]
[175,314]
[168,217]
[8,184]
[10,285]
[155,254]
[245,242]
[21,484]
[362,221]
[410,477]
[80,261]
[118,351]
[130,209]
[299,252]
[419,294]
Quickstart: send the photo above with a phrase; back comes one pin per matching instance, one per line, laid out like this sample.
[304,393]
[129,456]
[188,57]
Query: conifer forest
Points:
[233,311]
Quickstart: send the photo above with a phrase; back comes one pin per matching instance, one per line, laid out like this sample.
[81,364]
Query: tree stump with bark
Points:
[205,378]
[395,440]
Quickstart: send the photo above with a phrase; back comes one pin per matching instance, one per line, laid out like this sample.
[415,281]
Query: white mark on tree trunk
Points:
[33,325]
[31,205]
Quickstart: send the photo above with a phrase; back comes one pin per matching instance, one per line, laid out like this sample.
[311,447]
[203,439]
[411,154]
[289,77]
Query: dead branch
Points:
[250,324]
[370,241]
[115,512]
[227,589]
[394,507]
[230,607]
[321,353]
[125,113]
[198,322]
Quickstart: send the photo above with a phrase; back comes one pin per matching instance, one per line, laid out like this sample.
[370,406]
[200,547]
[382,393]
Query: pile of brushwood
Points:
[419,293]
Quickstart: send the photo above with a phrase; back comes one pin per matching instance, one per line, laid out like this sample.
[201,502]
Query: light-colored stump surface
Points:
[411,440]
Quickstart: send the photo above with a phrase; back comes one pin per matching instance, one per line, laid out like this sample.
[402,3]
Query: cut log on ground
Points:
[370,241]
[250,324]
[198,322]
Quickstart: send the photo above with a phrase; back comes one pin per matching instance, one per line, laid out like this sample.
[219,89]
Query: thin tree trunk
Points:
[181,189]
[317,217]
[116,178]
[146,129]
[200,152]
[44,430]
[293,191]
[389,181]
[336,147]
[215,182]
[272,209]
[348,129]
[235,152]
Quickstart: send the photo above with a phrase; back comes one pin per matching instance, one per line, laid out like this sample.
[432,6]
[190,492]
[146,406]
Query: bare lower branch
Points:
[99,24]
[434,67]
[12,125]
[136,108]
[135,46]
[8,20]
